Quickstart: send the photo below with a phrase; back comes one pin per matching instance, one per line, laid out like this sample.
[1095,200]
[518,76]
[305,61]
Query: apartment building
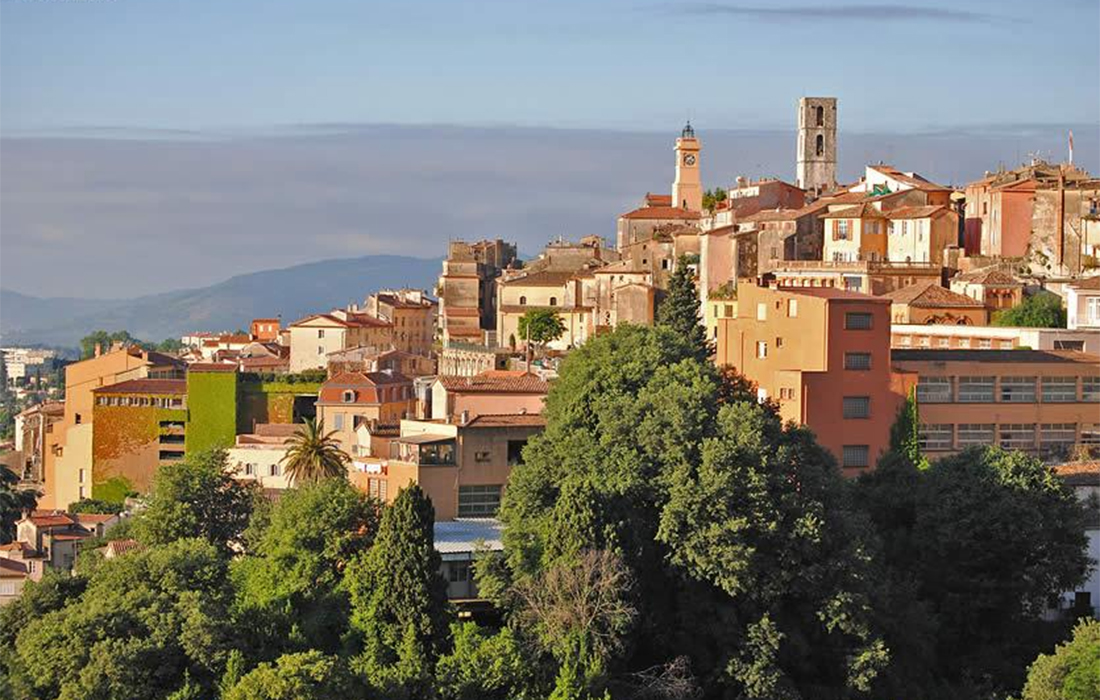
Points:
[314,337]
[1083,304]
[972,337]
[824,355]
[257,457]
[1046,402]
[467,288]
[491,392]
[351,399]
[413,315]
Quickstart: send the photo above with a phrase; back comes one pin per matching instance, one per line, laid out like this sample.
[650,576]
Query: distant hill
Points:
[291,292]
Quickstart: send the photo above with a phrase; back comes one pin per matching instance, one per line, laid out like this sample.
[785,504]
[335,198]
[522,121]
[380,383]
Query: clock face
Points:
[689,159]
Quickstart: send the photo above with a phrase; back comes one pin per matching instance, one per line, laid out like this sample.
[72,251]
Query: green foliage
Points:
[540,326]
[197,497]
[289,592]
[212,414]
[314,455]
[487,666]
[15,502]
[1041,310]
[711,198]
[399,600]
[308,675]
[114,490]
[1072,672]
[50,593]
[93,505]
[986,537]
[147,622]
[905,432]
[105,340]
[679,310]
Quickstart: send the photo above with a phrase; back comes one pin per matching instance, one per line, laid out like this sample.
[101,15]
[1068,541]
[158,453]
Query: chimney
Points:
[98,349]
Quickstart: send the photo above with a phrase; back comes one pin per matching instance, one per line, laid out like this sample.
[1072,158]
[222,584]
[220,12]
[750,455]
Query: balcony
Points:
[853,265]
[425,450]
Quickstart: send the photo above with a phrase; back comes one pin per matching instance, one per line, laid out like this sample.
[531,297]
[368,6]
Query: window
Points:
[458,571]
[1092,310]
[250,469]
[840,230]
[858,321]
[478,501]
[934,390]
[376,488]
[523,301]
[349,396]
[664,264]
[1090,433]
[820,115]
[482,456]
[792,308]
[761,349]
[170,455]
[553,301]
[1017,436]
[1018,389]
[857,360]
[1078,345]
[786,393]
[338,421]
[80,476]
[976,389]
[1057,437]
[971,434]
[320,350]
[985,343]
[856,456]
[778,342]
[1090,389]
[944,342]
[761,311]
[1059,389]
[515,452]
[936,436]
[275,470]
[727,310]
[857,406]
[81,491]
[320,334]
[820,145]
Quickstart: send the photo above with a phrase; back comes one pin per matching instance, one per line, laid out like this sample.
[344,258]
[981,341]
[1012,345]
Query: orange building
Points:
[491,392]
[412,314]
[855,233]
[1039,401]
[350,400]
[824,355]
[929,303]
[265,329]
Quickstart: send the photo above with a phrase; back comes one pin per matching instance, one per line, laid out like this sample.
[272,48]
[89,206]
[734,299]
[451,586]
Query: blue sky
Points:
[614,64]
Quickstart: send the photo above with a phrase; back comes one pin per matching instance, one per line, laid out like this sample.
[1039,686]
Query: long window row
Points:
[1047,437]
[990,389]
[157,401]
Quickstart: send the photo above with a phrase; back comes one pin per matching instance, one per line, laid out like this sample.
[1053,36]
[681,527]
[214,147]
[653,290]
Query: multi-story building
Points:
[1084,478]
[996,289]
[817,123]
[459,359]
[856,233]
[492,392]
[53,537]
[864,276]
[413,315]
[1083,304]
[28,366]
[467,289]
[37,432]
[824,355]
[748,197]
[314,337]
[921,233]
[943,337]
[1041,401]
[929,303]
[351,399]
[265,330]
[258,457]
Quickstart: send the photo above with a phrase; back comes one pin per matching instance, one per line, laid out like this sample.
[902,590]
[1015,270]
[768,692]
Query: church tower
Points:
[816,143]
[687,190]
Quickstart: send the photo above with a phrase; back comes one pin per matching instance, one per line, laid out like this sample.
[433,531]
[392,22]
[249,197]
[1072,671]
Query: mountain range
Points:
[291,293]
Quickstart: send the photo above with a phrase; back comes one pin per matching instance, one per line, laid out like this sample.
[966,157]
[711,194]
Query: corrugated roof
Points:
[468,535]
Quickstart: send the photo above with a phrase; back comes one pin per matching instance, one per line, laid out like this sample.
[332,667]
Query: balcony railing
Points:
[853,265]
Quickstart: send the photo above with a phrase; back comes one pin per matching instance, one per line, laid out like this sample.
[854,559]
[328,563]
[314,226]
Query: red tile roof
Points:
[496,381]
[661,212]
[1091,283]
[915,181]
[931,295]
[860,211]
[364,387]
[117,548]
[917,212]
[507,420]
[1079,473]
[354,320]
[990,277]
[51,518]
[146,386]
[12,569]
[658,200]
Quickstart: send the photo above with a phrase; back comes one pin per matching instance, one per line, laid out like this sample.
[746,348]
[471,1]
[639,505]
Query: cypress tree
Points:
[399,600]
[680,309]
[905,432]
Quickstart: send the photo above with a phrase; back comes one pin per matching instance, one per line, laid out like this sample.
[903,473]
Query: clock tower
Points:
[687,191]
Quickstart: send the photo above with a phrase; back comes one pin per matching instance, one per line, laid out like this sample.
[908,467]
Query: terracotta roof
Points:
[357,379]
[461,311]
[212,367]
[95,518]
[661,212]
[399,303]
[917,212]
[1019,355]
[990,277]
[860,211]
[384,429]
[261,362]
[658,200]
[276,429]
[1079,473]
[353,320]
[146,386]
[621,267]
[117,548]
[51,518]
[545,278]
[12,569]
[496,382]
[1091,283]
[365,388]
[17,547]
[931,295]
[507,420]
[777,214]
[913,180]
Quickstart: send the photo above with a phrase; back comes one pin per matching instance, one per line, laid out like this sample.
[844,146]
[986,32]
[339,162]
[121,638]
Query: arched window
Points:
[820,115]
[820,145]
[523,301]
[553,301]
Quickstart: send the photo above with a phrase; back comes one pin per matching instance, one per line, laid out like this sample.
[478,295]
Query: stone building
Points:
[817,123]
[412,314]
[467,288]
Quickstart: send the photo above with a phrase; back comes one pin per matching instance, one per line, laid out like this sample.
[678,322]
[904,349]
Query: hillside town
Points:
[839,304]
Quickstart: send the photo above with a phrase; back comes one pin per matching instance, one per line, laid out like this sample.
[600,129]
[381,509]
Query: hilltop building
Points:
[467,289]
[817,122]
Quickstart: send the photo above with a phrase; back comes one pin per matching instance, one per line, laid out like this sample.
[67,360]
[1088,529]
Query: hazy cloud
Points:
[847,13]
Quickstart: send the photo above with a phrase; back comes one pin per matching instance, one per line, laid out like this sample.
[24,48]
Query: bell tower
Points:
[687,190]
[816,143]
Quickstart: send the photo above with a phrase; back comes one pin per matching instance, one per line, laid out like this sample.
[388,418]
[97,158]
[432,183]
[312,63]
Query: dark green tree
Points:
[399,606]
[1041,310]
[986,537]
[679,310]
[487,665]
[1072,672]
[905,432]
[308,675]
[96,506]
[197,497]
[15,502]
[712,198]
[104,340]
[289,592]
[540,326]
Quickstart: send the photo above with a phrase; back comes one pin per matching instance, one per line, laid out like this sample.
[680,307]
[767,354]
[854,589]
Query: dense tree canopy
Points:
[1072,672]
[15,502]
[540,326]
[1042,310]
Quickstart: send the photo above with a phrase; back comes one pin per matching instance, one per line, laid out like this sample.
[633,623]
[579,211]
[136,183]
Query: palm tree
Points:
[314,455]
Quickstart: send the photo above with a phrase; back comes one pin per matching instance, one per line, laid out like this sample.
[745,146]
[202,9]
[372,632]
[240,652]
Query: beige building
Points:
[1083,304]
[854,234]
[817,124]
[412,314]
[314,337]
[258,456]
[1041,401]
[467,289]
[994,288]
[920,234]
[351,399]
[956,337]
[929,303]
[493,392]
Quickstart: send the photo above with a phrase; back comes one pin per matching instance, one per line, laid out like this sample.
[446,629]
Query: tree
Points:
[1041,310]
[399,600]
[712,198]
[1072,672]
[905,432]
[986,537]
[680,309]
[148,624]
[314,455]
[15,503]
[290,595]
[488,666]
[104,340]
[95,505]
[540,326]
[308,675]
[197,497]
[170,345]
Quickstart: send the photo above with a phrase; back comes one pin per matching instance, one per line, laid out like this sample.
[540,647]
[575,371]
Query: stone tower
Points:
[816,143]
[687,190]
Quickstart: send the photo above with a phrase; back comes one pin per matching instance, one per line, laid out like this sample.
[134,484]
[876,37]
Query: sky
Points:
[289,131]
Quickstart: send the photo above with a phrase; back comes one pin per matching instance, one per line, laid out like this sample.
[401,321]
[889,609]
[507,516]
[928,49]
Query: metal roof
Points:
[468,535]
